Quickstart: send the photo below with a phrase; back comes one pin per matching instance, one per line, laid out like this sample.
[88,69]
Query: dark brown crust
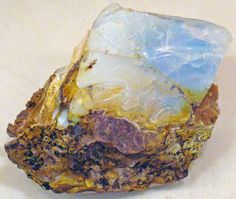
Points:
[104,153]
[208,111]
[119,133]
[28,116]
[46,154]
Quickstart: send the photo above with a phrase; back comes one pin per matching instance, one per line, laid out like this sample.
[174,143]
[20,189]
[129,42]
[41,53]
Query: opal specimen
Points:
[132,109]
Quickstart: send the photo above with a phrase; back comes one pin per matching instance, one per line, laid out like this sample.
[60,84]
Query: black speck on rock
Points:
[46,186]
[53,135]
[35,163]
[103,181]
[28,153]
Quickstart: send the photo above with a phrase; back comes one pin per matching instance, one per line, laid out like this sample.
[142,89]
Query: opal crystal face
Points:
[147,64]
[132,109]
[186,51]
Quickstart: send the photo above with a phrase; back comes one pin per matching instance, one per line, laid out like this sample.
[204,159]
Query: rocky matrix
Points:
[132,109]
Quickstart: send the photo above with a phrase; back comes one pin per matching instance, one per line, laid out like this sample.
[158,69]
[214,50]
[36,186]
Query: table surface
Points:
[36,37]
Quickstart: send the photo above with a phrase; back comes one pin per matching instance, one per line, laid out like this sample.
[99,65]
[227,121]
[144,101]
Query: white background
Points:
[36,37]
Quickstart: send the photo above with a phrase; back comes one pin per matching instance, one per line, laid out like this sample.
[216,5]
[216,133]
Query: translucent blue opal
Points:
[186,51]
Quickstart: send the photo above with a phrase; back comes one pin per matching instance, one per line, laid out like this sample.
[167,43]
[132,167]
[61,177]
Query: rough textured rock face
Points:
[116,119]
[104,153]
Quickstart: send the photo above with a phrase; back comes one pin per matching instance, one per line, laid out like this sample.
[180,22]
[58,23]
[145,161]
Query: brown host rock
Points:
[132,109]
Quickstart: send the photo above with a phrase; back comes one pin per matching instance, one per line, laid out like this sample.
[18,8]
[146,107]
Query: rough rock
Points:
[132,109]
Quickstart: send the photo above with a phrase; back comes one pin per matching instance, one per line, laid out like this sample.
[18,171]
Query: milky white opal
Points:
[150,64]
[186,51]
